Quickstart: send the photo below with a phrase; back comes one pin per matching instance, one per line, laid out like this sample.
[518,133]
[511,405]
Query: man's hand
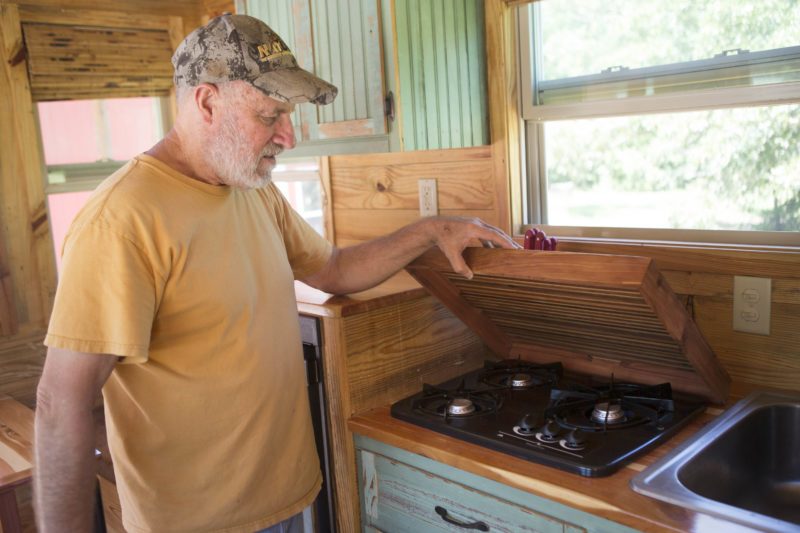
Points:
[360,267]
[453,234]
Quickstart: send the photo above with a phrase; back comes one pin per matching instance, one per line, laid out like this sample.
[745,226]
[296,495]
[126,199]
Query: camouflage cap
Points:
[239,47]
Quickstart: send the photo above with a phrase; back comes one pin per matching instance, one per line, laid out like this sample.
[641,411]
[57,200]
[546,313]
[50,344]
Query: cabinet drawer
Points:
[401,498]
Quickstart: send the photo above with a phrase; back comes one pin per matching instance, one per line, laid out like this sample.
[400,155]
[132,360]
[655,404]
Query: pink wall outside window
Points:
[88,131]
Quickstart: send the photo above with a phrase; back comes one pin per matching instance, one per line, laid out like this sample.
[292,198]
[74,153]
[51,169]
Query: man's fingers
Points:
[458,263]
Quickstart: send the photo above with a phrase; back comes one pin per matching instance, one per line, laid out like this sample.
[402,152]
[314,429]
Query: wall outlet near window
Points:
[428,203]
[752,298]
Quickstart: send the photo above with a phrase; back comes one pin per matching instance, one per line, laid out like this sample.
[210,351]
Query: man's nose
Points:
[284,133]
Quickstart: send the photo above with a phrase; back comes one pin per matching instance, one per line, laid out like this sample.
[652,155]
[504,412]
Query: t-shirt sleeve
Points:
[306,249]
[106,297]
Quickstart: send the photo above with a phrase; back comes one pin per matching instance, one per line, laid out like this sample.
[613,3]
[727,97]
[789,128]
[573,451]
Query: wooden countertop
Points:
[610,497]
[399,288]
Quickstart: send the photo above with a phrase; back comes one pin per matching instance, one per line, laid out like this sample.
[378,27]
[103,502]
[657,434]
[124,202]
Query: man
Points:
[177,300]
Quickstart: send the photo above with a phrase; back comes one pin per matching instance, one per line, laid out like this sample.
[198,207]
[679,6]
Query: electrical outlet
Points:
[752,299]
[428,204]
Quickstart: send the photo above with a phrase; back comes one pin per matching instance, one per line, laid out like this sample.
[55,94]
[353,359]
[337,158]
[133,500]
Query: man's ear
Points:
[206,98]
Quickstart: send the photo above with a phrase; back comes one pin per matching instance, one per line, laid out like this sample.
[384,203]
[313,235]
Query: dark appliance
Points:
[533,412]
[597,359]
[323,508]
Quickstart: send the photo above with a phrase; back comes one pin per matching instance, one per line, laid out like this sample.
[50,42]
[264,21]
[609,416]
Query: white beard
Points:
[233,163]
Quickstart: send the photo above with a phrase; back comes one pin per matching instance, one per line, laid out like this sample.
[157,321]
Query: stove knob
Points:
[576,438]
[551,429]
[527,423]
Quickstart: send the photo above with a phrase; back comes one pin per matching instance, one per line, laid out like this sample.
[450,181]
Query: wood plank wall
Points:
[375,194]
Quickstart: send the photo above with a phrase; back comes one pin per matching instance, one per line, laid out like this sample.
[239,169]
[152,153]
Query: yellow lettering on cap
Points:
[267,51]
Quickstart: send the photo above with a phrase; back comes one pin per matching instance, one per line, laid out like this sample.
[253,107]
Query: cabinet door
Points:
[400,498]
[340,41]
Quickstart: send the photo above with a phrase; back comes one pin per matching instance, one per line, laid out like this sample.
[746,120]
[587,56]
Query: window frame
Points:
[533,117]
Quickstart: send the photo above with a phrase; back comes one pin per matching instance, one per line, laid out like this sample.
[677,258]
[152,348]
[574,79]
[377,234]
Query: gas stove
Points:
[580,424]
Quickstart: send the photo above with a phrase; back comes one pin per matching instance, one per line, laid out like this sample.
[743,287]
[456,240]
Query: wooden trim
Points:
[30,245]
[337,392]
[347,128]
[327,198]
[772,263]
[502,97]
[668,308]
[644,373]
[405,158]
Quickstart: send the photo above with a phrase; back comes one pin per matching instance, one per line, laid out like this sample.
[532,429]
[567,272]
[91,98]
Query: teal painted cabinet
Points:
[402,492]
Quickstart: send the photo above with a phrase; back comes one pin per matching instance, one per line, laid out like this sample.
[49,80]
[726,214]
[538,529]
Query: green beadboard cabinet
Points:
[441,63]
[404,492]
[430,54]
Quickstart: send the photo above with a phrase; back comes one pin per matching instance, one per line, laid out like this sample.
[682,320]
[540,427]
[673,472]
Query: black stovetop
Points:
[576,423]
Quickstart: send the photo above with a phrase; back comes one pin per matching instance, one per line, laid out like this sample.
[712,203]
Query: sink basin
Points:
[744,466]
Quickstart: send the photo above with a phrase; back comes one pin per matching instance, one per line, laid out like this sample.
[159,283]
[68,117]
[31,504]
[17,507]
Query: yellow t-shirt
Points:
[192,284]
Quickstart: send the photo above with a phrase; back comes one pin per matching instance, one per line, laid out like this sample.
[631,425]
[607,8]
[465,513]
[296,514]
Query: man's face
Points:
[251,130]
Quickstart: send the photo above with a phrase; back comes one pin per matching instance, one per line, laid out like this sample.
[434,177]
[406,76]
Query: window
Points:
[679,116]
[299,181]
[85,141]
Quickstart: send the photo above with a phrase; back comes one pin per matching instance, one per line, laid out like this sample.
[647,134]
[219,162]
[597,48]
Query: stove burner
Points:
[522,380]
[459,402]
[608,413]
[460,407]
[612,406]
[518,374]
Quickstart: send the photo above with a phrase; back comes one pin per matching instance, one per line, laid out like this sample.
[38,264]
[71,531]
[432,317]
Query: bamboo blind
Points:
[67,62]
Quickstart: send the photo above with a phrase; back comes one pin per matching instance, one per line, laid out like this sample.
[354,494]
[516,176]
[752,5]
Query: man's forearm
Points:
[64,476]
[365,265]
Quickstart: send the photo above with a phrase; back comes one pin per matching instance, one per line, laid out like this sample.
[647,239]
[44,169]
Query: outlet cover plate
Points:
[752,299]
[428,203]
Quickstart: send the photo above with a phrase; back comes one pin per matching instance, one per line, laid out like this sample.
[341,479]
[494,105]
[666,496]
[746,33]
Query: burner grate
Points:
[611,407]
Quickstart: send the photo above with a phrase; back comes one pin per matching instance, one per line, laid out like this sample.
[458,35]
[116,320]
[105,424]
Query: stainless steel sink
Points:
[744,466]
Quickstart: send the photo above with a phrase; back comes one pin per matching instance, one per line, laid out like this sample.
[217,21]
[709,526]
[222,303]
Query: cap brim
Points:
[295,85]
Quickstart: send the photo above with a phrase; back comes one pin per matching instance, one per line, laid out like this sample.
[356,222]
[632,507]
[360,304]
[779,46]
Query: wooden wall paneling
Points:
[22,358]
[460,185]
[393,351]
[190,11]
[504,116]
[378,193]
[8,311]
[24,216]
[215,8]
[354,226]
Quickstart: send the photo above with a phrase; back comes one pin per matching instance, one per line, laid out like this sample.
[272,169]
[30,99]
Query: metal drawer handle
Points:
[441,511]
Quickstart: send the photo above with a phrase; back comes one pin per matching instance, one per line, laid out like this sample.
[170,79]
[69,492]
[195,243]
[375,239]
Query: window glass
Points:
[582,37]
[725,169]
[88,131]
